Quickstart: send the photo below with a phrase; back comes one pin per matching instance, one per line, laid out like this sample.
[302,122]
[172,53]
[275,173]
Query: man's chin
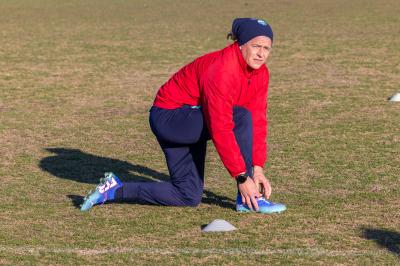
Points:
[256,66]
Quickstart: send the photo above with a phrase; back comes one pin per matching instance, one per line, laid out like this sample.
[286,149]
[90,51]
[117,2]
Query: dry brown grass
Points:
[81,76]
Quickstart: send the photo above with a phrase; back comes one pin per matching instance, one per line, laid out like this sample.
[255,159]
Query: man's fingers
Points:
[254,202]
[268,194]
[267,190]
[248,202]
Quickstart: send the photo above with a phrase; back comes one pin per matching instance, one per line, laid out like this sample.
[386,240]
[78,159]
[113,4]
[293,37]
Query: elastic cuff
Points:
[239,173]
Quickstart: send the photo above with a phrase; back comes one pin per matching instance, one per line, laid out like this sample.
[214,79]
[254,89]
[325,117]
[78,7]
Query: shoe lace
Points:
[103,180]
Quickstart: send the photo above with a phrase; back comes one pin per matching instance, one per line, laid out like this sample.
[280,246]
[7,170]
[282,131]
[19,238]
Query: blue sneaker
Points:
[103,192]
[264,206]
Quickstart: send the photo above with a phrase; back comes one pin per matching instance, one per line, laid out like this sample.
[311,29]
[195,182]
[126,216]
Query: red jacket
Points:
[218,81]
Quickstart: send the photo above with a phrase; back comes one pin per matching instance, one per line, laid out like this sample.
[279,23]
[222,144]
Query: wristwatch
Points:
[240,179]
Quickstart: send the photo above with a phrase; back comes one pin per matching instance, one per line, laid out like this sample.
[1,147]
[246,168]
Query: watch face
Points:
[241,179]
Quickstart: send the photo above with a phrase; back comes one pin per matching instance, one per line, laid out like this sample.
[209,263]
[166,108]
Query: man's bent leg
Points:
[185,188]
[185,159]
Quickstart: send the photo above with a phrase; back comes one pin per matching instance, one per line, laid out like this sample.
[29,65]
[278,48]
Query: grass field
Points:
[77,79]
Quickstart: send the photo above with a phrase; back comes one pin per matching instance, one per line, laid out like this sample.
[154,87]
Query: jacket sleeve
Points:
[218,111]
[258,109]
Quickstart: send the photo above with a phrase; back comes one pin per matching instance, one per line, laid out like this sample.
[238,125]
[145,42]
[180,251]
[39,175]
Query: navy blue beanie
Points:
[246,29]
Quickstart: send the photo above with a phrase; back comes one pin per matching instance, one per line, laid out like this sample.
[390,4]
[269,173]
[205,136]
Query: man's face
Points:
[256,51]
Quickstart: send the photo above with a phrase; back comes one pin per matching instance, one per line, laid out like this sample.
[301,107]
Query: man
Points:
[223,96]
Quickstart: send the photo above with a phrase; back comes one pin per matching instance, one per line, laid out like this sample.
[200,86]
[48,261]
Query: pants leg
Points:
[243,131]
[183,138]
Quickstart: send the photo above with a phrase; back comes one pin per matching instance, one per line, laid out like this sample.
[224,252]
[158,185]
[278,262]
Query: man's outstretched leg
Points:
[183,138]
[186,169]
[182,135]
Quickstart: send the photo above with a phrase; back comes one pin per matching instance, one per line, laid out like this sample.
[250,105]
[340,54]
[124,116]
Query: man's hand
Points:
[261,181]
[249,193]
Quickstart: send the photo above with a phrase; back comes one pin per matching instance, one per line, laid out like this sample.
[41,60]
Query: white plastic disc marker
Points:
[395,97]
[219,225]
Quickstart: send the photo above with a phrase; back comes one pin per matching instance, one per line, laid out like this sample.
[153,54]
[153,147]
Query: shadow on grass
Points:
[385,238]
[76,200]
[73,164]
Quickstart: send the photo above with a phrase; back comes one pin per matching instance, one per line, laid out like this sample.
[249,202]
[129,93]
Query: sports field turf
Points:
[77,79]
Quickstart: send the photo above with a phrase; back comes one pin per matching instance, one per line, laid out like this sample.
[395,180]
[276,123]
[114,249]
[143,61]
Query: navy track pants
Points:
[183,136]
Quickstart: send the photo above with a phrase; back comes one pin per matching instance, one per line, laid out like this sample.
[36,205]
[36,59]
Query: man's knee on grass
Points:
[192,200]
